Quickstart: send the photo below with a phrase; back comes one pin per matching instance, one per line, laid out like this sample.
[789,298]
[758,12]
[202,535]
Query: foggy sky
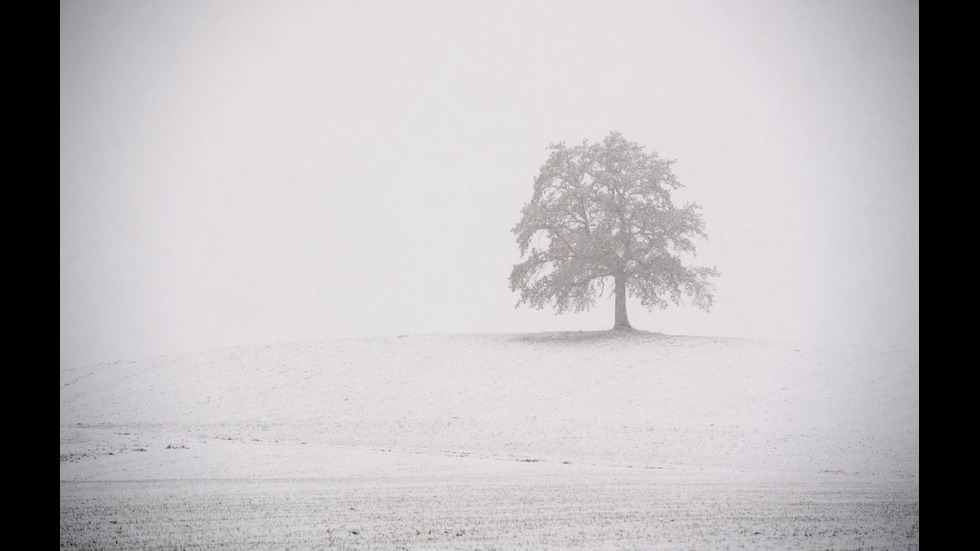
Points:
[253,172]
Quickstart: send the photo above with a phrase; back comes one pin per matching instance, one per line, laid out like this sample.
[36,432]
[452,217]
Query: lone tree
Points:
[602,213]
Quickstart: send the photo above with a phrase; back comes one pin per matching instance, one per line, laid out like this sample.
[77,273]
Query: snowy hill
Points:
[639,400]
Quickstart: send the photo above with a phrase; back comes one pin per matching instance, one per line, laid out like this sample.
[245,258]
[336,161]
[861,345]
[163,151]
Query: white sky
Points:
[250,172]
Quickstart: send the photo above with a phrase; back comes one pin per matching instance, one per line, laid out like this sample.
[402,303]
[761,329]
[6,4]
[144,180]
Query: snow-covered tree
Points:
[602,216]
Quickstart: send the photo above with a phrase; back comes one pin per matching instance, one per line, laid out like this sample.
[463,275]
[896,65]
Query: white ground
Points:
[764,434]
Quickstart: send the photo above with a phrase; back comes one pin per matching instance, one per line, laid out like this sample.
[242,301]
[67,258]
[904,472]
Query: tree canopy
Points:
[601,216]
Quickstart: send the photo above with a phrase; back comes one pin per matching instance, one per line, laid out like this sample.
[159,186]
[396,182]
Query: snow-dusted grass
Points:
[531,509]
[721,434]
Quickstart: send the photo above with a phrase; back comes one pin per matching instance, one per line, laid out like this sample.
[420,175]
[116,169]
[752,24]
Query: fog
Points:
[259,172]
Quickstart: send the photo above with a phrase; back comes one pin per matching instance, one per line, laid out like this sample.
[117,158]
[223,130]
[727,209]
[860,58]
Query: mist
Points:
[261,172]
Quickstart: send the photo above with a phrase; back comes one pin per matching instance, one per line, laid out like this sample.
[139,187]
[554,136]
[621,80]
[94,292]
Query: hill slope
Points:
[634,400]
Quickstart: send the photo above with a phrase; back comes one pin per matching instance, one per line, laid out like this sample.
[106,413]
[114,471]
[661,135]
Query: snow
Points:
[585,406]
[638,399]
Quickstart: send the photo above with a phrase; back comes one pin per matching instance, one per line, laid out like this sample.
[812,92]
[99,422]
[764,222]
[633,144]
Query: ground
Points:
[564,440]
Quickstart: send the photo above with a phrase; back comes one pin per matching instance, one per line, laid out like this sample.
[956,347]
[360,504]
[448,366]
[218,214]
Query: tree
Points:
[602,215]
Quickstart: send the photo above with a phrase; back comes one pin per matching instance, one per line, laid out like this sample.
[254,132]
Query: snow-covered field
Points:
[563,440]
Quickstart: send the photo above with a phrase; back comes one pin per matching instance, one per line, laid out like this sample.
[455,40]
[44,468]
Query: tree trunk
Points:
[622,321]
